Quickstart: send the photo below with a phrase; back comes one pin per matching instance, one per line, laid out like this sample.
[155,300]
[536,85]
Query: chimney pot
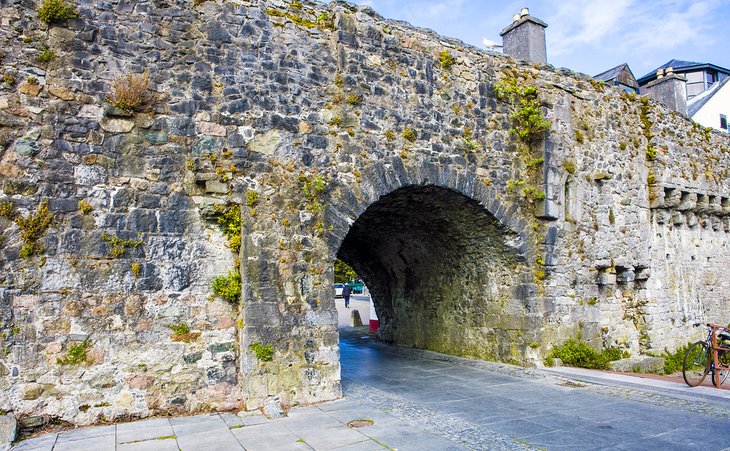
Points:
[524,38]
[669,70]
[659,73]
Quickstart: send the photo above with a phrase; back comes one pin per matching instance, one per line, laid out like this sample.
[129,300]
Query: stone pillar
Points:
[669,89]
[525,38]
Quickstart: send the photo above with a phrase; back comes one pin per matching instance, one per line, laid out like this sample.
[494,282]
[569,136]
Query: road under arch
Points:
[443,272]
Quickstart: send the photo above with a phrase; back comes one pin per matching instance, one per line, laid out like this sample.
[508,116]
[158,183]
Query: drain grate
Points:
[359,424]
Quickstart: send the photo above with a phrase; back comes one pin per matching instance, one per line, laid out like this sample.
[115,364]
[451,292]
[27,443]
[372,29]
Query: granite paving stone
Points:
[143,430]
[269,437]
[169,444]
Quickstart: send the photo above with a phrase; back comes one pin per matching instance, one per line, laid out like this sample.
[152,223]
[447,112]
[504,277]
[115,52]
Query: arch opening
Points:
[443,273]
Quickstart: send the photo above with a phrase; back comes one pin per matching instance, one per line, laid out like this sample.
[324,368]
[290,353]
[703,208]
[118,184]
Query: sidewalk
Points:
[666,384]
[319,427]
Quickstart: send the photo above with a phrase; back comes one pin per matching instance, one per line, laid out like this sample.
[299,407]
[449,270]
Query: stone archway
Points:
[476,298]
[445,273]
[440,271]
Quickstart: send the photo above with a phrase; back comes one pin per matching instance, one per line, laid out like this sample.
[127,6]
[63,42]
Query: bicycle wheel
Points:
[724,360]
[696,364]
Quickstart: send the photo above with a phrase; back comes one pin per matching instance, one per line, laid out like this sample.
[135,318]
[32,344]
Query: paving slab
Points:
[169,444]
[194,425]
[101,443]
[42,443]
[209,441]
[249,419]
[86,433]
[231,420]
[144,430]
[361,412]
[269,437]
[403,437]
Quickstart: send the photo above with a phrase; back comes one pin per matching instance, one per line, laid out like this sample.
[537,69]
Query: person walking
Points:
[346,290]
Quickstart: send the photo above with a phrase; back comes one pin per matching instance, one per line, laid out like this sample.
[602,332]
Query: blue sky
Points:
[586,36]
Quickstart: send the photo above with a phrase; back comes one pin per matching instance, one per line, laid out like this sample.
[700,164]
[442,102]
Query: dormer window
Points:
[710,77]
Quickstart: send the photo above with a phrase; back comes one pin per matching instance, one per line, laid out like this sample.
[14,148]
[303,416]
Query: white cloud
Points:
[418,11]
[585,22]
[631,26]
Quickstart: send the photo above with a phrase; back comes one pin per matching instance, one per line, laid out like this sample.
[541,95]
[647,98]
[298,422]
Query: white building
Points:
[712,107]
[707,90]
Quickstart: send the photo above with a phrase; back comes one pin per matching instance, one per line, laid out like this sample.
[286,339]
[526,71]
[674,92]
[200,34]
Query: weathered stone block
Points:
[25,147]
[606,278]
[8,430]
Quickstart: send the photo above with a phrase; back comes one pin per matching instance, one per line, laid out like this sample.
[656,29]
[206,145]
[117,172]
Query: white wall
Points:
[709,114]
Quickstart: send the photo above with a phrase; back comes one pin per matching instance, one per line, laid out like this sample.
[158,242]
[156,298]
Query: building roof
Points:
[681,66]
[612,73]
[698,101]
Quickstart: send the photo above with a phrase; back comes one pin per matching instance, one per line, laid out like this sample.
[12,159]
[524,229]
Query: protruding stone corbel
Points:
[688,201]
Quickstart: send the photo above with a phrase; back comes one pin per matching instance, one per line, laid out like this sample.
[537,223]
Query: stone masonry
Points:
[336,133]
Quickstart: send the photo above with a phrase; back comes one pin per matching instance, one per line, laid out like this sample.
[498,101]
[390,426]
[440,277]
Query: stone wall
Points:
[338,133]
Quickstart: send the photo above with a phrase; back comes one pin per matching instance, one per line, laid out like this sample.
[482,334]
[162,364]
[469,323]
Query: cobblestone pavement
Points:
[420,400]
[487,405]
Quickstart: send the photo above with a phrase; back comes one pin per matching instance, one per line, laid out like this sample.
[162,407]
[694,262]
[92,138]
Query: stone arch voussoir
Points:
[386,176]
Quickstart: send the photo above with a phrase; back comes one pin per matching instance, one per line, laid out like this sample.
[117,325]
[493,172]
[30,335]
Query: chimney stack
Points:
[525,38]
[670,90]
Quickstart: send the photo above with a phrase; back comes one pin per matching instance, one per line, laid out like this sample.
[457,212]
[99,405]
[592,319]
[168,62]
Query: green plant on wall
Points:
[7,210]
[228,287]
[313,188]
[32,229]
[132,93]
[230,221]
[409,134]
[117,246]
[45,56]
[252,198]
[84,207]
[56,11]
[263,352]
[76,354]
[446,59]
[646,125]
[530,124]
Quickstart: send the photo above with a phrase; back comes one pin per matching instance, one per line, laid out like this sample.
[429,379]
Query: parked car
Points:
[338,289]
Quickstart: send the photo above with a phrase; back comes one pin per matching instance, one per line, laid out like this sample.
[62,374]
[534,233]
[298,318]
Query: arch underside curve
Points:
[443,257]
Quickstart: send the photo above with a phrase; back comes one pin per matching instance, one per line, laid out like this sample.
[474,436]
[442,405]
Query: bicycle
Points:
[708,356]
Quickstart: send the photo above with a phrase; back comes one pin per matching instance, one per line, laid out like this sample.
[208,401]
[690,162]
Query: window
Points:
[711,78]
[723,122]
[695,83]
